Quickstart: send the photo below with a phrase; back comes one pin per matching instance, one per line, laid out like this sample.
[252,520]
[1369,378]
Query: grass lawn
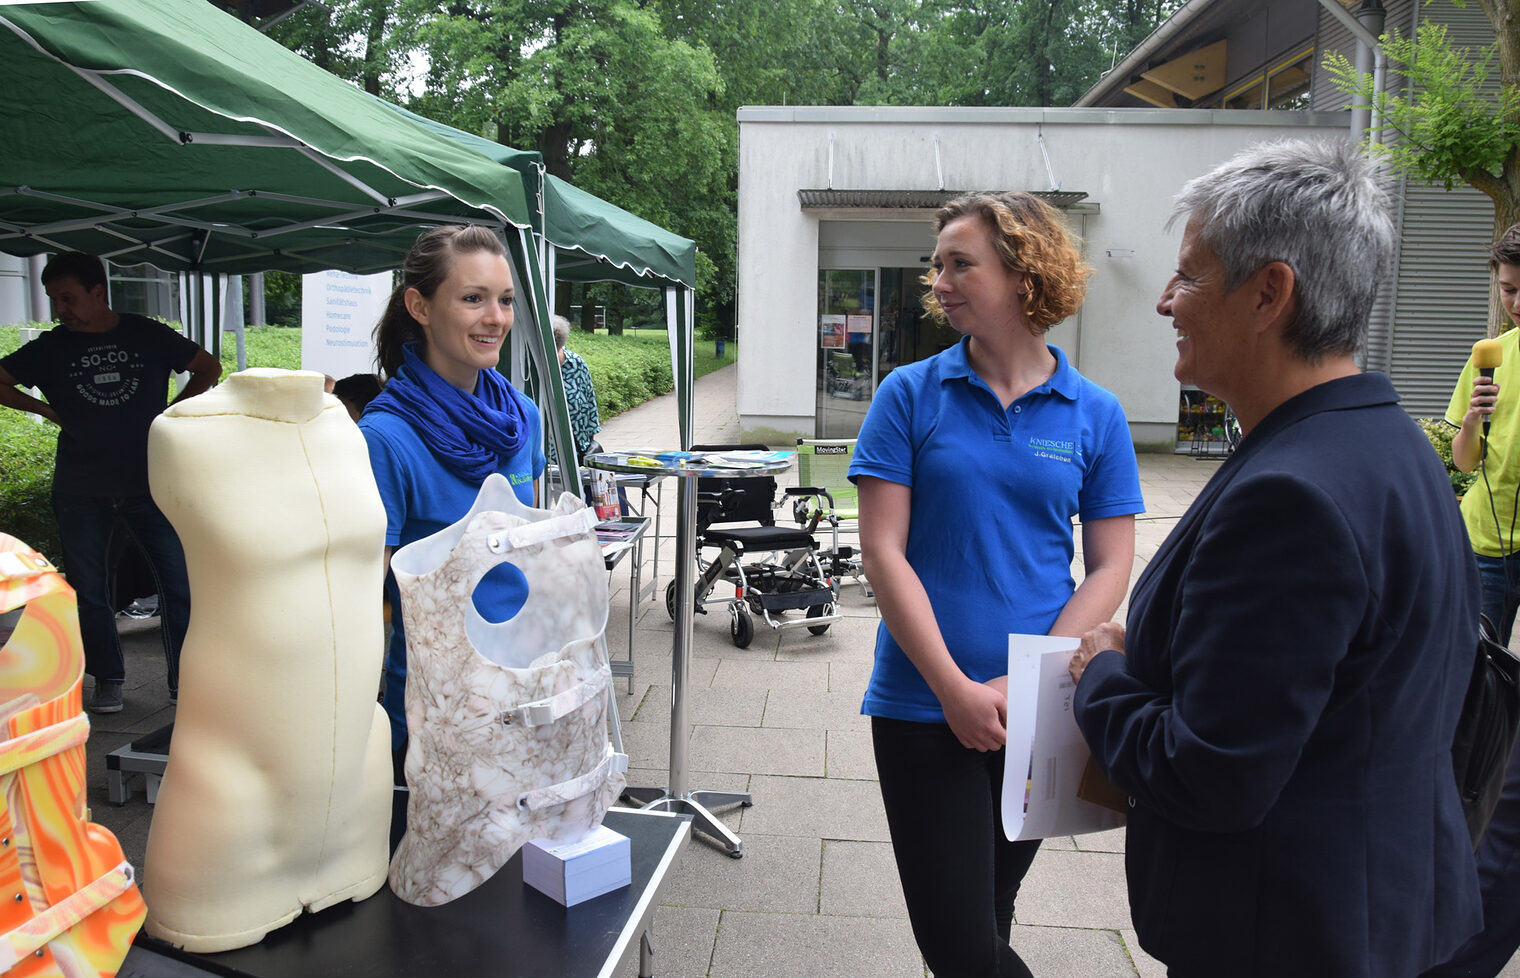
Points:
[628,370]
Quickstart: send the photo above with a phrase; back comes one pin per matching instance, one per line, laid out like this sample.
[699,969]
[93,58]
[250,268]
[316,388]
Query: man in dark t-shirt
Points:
[105,377]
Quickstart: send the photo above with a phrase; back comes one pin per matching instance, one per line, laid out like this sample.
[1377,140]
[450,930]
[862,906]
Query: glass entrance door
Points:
[907,335]
[861,340]
[846,341]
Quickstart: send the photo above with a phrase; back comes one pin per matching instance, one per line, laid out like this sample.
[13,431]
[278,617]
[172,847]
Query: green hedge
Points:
[26,469]
[26,478]
[1440,434]
[628,370]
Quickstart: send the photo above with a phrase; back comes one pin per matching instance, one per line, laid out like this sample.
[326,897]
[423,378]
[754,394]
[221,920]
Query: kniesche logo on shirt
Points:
[1053,448]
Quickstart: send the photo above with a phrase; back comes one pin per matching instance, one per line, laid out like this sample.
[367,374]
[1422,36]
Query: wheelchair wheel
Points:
[670,600]
[818,611]
[741,628]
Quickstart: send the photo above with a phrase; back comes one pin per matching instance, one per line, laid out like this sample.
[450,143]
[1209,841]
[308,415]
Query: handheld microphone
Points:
[1486,356]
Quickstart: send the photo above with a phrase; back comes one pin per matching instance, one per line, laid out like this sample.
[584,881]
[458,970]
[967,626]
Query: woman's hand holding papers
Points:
[1108,636]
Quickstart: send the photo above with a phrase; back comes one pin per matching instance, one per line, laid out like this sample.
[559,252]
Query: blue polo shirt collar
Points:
[1064,381]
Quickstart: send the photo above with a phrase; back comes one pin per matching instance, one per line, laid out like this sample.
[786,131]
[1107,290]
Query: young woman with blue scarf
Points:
[446,419]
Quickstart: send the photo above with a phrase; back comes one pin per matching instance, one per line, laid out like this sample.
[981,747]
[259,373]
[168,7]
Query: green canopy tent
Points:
[169,132]
[587,239]
[593,241]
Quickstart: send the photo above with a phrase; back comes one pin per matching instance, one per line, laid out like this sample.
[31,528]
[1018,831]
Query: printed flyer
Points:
[1043,790]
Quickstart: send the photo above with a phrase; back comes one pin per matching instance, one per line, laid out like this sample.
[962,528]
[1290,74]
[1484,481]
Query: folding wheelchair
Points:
[773,569]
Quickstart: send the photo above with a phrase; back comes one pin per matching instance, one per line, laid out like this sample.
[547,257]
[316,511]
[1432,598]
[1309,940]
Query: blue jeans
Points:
[1501,596]
[88,528]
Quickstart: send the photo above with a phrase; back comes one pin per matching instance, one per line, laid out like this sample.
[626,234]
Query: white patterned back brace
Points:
[507,721]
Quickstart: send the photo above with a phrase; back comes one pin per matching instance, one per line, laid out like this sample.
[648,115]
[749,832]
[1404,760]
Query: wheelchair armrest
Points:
[809,514]
[713,506]
[810,491]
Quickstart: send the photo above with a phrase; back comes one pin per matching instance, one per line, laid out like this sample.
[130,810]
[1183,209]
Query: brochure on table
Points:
[1046,754]
[737,459]
[619,534]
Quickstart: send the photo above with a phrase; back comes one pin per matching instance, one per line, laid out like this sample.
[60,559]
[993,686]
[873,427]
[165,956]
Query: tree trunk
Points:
[617,307]
[588,310]
[373,44]
[1506,215]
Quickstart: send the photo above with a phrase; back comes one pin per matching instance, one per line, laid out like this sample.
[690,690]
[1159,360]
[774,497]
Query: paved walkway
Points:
[816,894]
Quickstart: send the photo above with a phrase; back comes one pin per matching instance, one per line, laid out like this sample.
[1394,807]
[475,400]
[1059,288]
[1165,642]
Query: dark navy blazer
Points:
[1297,655]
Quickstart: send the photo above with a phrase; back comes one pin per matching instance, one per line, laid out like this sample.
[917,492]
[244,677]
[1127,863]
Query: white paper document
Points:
[1046,753]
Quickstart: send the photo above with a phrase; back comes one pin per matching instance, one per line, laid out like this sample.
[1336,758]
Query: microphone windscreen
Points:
[1486,355]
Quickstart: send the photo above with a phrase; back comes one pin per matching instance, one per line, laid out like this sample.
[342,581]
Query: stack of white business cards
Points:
[572,872]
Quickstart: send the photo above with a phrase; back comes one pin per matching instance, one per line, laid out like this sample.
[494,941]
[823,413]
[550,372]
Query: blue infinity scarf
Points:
[469,433]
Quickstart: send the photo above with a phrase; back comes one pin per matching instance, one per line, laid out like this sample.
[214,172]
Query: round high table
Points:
[676,796]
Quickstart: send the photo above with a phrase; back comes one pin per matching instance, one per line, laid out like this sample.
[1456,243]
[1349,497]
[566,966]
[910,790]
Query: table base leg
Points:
[696,804]
[646,956]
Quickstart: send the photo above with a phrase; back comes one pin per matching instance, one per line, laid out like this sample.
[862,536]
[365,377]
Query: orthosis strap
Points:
[567,791]
[28,749]
[63,916]
[544,711]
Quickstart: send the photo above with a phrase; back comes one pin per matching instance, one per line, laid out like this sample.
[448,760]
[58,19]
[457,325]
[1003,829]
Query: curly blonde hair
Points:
[1032,238]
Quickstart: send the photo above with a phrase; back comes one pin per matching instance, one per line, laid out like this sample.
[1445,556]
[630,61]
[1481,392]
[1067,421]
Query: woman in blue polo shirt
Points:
[446,419]
[971,465]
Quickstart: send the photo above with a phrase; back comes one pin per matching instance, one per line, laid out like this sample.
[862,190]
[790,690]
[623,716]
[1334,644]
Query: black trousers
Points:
[959,874]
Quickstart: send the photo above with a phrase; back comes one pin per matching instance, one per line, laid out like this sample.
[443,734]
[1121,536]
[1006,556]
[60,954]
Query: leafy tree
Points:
[351,41]
[635,100]
[595,86]
[1458,120]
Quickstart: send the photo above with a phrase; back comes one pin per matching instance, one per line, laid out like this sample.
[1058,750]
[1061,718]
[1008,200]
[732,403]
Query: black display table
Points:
[503,928]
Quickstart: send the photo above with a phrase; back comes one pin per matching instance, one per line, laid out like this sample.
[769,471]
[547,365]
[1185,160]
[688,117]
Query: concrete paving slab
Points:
[654,666]
[1074,889]
[759,750]
[850,755]
[860,880]
[683,939]
[778,874]
[849,639]
[749,674]
[1067,951]
[798,946]
[800,645]
[730,706]
[647,744]
[820,808]
[1110,841]
[806,708]
[1145,965]
[850,677]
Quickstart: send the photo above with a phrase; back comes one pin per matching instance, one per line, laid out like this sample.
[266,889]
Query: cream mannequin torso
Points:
[278,791]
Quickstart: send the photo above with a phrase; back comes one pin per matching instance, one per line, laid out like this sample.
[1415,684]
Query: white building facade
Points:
[835,230]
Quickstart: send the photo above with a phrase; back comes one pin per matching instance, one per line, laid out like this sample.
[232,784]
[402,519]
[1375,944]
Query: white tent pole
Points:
[551,270]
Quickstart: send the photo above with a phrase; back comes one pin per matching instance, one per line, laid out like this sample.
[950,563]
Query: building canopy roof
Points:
[1203,47]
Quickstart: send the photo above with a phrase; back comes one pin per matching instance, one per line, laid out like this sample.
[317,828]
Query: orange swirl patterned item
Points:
[68,905]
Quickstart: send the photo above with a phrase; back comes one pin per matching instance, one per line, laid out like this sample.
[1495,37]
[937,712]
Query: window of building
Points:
[1285,86]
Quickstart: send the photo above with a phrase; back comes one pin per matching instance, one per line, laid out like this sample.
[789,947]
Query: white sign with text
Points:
[338,315]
